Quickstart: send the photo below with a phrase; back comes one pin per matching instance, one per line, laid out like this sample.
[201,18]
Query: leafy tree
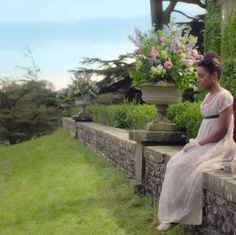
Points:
[114,75]
[110,70]
[27,109]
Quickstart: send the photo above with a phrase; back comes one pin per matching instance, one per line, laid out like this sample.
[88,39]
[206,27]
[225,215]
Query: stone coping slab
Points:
[221,184]
[165,149]
[117,132]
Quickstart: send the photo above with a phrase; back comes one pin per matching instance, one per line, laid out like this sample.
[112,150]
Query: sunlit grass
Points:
[55,185]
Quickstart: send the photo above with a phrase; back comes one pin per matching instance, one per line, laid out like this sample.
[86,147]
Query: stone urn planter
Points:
[66,108]
[82,116]
[161,95]
[160,130]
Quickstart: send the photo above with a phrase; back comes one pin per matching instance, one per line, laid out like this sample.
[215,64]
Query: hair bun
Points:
[216,61]
[213,58]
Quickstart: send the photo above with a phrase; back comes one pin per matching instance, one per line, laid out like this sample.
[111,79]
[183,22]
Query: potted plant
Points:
[164,66]
[83,91]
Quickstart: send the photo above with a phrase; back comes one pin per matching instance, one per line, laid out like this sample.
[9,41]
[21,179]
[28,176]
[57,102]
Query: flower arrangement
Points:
[83,86]
[166,55]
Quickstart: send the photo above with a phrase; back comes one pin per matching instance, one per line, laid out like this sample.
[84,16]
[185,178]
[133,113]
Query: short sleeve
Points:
[224,100]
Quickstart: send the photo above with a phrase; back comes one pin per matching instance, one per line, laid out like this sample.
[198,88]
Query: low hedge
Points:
[126,116]
[186,116]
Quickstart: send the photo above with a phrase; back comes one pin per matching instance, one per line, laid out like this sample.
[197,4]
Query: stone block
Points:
[164,137]
[153,156]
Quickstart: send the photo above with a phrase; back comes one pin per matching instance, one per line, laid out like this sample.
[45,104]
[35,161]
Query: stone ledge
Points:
[158,137]
[119,133]
[221,184]
[165,150]
[160,154]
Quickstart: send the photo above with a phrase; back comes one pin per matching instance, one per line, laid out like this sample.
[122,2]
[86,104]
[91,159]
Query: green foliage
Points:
[229,75]
[212,31]
[83,85]
[110,71]
[223,44]
[68,189]
[228,50]
[127,115]
[27,109]
[65,96]
[132,116]
[228,47]
[186,116]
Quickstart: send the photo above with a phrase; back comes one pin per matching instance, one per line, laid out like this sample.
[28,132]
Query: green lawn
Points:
[55,185]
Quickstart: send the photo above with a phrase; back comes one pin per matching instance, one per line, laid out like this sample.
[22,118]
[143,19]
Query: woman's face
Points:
[205,79]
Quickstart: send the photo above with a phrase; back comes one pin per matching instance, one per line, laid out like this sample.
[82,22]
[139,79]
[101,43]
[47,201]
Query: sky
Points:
[60,33]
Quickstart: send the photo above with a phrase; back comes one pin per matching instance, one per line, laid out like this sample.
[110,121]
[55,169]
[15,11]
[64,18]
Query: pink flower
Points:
[194,53]
[162,39]
[154,53]
[189,62]
[168,64]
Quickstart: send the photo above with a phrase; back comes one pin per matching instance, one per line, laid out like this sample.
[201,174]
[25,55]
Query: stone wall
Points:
[116,149]
[114,145]
[69,125]
[156,159]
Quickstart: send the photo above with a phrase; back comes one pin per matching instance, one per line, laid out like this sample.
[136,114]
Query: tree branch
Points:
[168,11]
[171,7]
[201,4]
[182,13]
[198,2]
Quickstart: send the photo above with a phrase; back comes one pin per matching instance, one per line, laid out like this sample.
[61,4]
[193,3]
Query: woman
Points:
[181,199]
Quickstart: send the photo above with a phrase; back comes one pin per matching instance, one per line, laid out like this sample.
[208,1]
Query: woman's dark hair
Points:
[212,63]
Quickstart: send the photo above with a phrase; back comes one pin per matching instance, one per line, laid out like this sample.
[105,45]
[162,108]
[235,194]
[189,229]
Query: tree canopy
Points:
[27,109]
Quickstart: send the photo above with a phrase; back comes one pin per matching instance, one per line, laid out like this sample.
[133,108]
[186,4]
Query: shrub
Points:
[133,116]
[179,113]
[126,115]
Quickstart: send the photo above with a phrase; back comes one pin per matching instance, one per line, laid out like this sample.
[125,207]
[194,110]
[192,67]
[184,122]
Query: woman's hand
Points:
[191,145]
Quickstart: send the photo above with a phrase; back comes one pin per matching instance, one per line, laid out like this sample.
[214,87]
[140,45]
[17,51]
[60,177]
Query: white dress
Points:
[181,199]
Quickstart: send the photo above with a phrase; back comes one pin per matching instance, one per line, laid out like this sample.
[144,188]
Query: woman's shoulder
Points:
[225,93]
[224,100]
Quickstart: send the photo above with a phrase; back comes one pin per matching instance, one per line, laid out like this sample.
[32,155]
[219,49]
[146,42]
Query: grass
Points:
[55,185]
